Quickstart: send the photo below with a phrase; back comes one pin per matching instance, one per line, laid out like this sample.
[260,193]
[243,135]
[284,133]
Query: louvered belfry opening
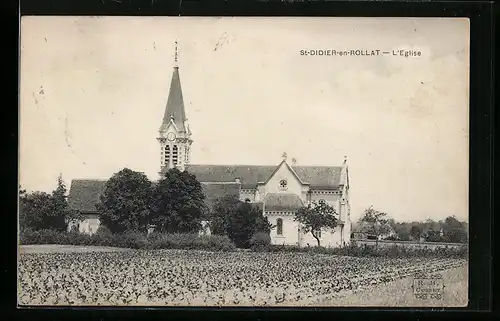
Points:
[175,154]
[167,154]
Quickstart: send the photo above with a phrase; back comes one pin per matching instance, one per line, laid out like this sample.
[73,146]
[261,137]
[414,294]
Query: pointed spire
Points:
[174,111]
[176,55]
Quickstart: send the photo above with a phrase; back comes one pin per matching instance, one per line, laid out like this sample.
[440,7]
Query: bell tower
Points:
[174,133]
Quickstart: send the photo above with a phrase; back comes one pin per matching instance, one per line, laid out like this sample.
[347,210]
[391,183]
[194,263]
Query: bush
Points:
[260,241]
[190,242]
[29,236]
[77,238]
[104,237]
[368,251]
[129,239]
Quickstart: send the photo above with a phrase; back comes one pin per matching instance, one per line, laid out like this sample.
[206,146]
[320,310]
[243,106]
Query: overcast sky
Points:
[93,93]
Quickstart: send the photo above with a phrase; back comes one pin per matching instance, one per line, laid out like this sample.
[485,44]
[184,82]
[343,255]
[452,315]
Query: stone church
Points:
[278,190]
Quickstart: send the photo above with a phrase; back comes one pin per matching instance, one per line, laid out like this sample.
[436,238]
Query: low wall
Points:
[410,244]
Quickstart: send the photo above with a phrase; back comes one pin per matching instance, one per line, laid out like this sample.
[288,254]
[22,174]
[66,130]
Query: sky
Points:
[93,92]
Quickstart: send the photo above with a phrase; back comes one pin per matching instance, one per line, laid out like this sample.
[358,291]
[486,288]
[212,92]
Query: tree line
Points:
[176,205]
[377,225]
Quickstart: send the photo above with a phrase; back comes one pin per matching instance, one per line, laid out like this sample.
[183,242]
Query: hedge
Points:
[190,242]
[130,239]
[260,243]
[366,251]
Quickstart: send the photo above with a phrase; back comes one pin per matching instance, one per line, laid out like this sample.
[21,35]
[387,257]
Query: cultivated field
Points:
[65,275]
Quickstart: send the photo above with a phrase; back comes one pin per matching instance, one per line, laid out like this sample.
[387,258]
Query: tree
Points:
[376,223]
[125,202]
[62,215]
[240,221]
[401,229]
[40,210]
[454,231]
[315,217]
[178,203]
[434,236]
[35,209]
[415,232]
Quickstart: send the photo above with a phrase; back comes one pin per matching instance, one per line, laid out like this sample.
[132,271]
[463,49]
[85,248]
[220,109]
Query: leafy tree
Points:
[402,230]
[125,203]
[315,217]
[178,203]
[40,210]
[35,209]
[434,236]
[415,232]
[376,223]
[455,231]
[240,221]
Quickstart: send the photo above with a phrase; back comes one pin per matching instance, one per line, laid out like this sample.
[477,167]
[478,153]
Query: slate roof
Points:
[175,104]
[282,201]
[319,177]
[215,191]
[84,194]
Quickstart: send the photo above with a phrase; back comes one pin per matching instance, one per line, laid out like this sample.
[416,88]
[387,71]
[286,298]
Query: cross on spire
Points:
[176,54]
[284,156]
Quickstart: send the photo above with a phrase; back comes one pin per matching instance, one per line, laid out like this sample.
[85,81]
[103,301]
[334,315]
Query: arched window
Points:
[167,154]
[279,226]
[175,154]
[318,233]
[322,201]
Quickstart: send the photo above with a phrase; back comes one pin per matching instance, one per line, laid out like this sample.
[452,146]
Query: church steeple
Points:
[174,133]
[175,102]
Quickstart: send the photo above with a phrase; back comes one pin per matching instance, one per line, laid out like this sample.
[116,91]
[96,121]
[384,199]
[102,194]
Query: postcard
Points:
[243,161]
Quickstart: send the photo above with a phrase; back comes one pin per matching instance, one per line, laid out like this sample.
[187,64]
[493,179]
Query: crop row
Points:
[174,277]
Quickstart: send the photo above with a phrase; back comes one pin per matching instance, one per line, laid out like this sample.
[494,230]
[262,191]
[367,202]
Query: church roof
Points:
[319,177]
[84,194]
[282,201]
[215,191]
[175,104]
